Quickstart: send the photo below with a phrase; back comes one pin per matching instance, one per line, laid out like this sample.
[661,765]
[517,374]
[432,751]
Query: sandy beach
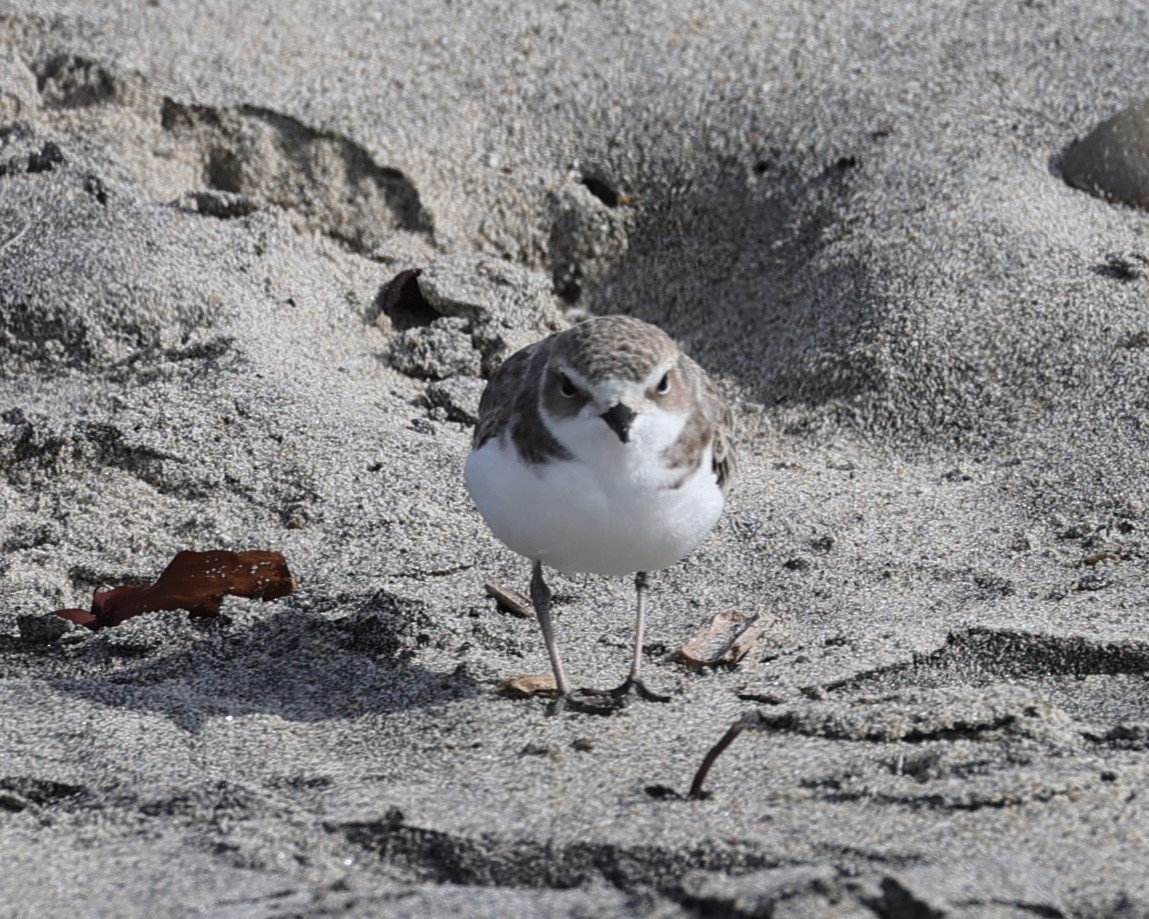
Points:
[855,216]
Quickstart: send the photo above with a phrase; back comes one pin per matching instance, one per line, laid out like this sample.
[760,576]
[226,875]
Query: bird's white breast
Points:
[611,509]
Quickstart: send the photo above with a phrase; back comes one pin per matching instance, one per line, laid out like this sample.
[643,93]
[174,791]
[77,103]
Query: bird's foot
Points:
[606,701]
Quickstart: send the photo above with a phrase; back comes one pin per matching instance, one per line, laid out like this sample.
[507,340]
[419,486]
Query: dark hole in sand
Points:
[601,190]
[402,302]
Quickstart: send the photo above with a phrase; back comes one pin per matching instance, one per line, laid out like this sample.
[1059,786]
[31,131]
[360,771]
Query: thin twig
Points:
[749,720]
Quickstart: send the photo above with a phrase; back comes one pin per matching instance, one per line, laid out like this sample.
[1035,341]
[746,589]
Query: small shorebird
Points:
[603,449]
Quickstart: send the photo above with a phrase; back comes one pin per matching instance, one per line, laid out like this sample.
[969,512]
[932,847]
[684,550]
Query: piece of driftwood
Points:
[724,642]
[511,600]
[527,686]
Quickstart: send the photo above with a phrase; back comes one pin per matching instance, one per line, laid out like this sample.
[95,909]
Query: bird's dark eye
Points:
[566,387]
[663,385]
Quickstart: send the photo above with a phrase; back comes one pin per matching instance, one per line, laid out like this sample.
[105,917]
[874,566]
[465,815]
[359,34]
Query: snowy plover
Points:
[601,449]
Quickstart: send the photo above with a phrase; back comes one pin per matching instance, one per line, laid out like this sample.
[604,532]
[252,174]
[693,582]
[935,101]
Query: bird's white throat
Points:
[590,440]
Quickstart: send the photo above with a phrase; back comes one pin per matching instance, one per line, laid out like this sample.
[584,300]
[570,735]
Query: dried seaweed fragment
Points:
[725,641]
[194,581]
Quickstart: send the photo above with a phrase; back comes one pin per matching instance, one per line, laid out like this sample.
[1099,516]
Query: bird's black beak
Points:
[620,418]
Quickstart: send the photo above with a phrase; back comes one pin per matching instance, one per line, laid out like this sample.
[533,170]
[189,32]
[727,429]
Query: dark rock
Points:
[1112,161]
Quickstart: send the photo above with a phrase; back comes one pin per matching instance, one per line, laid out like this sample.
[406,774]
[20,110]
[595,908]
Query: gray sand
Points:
[853,215]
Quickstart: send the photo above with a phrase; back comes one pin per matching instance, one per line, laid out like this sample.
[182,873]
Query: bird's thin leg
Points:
[634,685]
[541,599]
[641,586]
[606,701]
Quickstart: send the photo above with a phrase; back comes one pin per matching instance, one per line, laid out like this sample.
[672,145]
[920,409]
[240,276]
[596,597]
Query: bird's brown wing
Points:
[725,457]
[497,403]
[721,418]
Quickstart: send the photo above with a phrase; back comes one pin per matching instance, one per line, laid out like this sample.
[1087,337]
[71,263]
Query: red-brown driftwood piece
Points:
[195,581]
